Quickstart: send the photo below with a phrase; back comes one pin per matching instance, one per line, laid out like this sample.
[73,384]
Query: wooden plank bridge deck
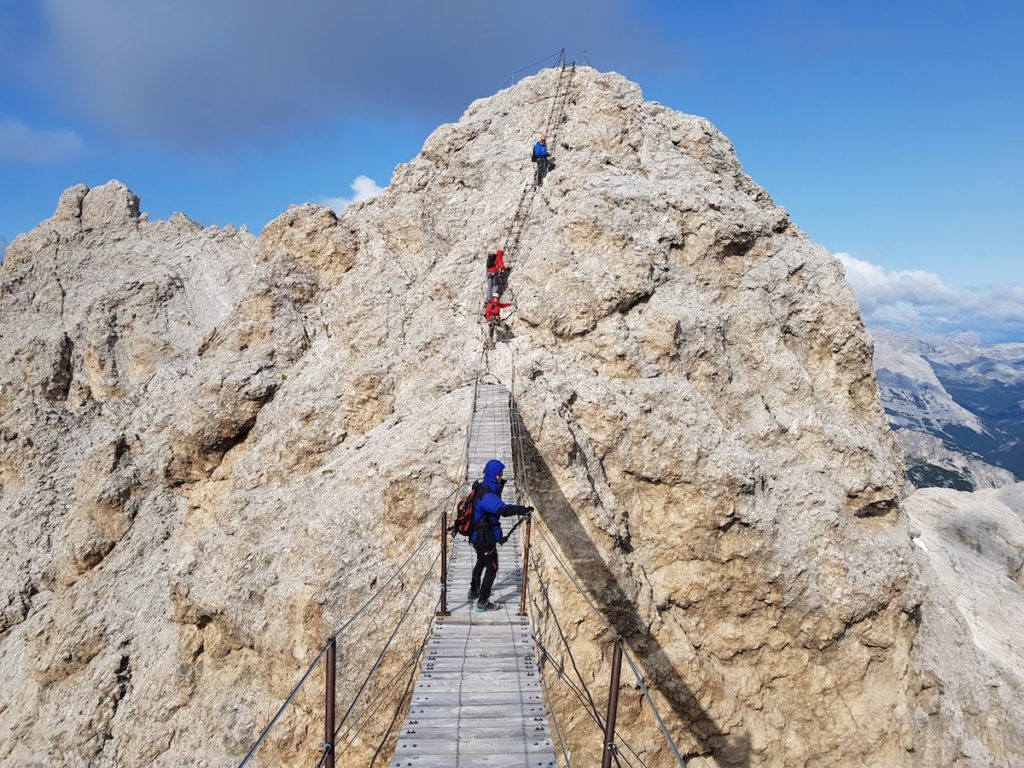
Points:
[478,701]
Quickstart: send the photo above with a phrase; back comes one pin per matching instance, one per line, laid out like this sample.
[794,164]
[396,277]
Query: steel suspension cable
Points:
[401,700]
[589,704]
[596,717]
[350,734]
[323,651]
[410,662]
[387,645]
[545,656]
[287,701]
[565,642]
[551,708]
[661,723]
[517,436]
[579,588]
[423,542]
[560,54]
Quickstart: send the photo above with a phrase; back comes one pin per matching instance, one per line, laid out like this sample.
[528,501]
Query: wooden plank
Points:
[481,735]
[508,747]
[521,652]
[469,726]
[478,697]
[473,712]
[473,761]
[501,686]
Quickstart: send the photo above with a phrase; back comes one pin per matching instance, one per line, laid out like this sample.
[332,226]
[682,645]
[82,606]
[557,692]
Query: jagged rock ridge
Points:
[196,423]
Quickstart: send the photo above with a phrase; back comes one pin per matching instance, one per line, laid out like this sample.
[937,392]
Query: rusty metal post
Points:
[329,701]
[613,707]
[526,566]
[443,608]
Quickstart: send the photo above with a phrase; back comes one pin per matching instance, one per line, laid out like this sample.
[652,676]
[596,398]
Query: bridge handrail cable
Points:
[552,549]
[337,633]
[380,657]
[584,696]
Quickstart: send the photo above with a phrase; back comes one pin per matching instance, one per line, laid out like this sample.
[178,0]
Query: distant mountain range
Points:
[957,408]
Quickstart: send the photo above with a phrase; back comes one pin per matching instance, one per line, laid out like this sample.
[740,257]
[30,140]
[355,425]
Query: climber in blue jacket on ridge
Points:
[542,158]
[487,534]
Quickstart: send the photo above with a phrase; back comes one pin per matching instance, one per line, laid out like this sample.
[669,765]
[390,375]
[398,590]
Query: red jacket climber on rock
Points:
[492,310]
[497,264]
[497,273]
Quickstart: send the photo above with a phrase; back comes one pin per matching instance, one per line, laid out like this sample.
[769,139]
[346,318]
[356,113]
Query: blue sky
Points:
[891,131]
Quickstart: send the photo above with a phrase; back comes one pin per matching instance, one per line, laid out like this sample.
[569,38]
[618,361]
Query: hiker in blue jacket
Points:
[542,158]
[487,535]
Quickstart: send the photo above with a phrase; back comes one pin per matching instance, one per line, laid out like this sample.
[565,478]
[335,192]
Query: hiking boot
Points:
[471,595]
[486,606]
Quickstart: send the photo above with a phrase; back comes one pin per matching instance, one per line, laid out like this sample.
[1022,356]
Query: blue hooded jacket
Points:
[540,150]
[489,508]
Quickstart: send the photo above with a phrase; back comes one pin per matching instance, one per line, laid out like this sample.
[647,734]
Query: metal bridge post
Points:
[526,566]
[443,607]
[613,707]
[329,701]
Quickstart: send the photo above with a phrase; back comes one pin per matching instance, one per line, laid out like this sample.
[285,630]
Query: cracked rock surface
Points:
[214,446]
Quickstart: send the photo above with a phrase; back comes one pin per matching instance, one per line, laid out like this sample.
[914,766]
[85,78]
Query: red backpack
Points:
[464,513]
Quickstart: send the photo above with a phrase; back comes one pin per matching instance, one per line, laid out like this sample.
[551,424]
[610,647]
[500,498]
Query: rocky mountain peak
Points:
[197,424]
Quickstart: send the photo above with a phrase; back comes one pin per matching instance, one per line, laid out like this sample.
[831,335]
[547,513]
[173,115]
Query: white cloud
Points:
[19,141]
[919,300]
[364,188]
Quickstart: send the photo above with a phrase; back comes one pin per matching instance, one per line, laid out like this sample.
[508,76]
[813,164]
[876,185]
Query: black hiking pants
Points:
[486,567]
[542,169]
[496,283]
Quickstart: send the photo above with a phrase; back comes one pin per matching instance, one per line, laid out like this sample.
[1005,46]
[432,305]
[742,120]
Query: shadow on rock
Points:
[732,750]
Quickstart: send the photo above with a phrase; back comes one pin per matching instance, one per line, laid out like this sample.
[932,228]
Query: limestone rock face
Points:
[214,448]
[974,546]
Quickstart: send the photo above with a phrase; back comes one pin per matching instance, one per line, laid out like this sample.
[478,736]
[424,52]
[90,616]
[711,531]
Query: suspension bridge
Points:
[477,688]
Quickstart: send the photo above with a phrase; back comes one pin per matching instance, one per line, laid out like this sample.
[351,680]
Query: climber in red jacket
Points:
[492,310]
[495,325]
[497,272]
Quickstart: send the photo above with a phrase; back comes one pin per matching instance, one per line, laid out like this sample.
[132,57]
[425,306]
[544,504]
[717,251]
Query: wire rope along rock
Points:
[557,57]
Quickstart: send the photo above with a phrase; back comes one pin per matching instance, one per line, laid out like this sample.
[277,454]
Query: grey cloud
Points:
[196,72]
[24,143]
